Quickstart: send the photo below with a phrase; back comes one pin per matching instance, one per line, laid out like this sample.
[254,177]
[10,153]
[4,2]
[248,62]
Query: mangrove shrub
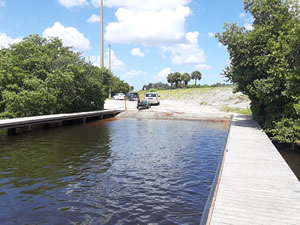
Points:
[265,65]
[40,76]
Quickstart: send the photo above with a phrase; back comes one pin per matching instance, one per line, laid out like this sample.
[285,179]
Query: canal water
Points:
[110,172]
[292,157]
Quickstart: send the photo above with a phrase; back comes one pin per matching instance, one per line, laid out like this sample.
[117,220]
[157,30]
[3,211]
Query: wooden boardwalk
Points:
[56,118]
[256,185]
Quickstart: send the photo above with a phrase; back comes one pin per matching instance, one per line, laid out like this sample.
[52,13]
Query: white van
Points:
[152,97]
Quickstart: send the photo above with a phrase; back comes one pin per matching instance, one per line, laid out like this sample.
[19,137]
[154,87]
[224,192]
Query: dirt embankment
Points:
[216,104]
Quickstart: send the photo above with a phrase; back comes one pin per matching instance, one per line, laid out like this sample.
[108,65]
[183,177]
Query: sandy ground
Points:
[195,106]
[169,109]
[207,106]
[216,98]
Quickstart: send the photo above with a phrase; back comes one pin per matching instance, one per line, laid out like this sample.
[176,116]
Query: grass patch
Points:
[246,111]
[181,93]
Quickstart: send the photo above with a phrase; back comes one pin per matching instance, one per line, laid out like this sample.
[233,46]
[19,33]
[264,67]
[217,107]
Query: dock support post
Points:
[125,103]
[28,128]
[54,124]
[12,131]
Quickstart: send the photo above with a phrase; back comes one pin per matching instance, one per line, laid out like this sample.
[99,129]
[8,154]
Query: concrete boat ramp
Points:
[256,185]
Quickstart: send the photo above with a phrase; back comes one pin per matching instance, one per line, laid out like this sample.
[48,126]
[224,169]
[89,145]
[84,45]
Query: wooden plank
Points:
[25,121]
[257,186]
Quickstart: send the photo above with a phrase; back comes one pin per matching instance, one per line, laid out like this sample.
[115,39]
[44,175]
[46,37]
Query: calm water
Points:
[291,157]
[113,172]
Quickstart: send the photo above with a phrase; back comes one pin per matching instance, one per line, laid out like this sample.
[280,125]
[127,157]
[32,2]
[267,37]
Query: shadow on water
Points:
[116,172]
[292,157]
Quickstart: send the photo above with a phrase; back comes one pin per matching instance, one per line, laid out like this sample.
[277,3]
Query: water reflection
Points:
[292,157]
[118,172]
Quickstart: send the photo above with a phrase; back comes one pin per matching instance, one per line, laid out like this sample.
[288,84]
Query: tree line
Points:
[176,78]
[265,65]
[165,86]
[40,76]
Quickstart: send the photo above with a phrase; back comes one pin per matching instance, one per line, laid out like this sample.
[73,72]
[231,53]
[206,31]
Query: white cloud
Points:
[164,73]
[2,3]
[116,64]
[69,35]
[149,23]
[163,55]
[192,37]
[248,21]
[188,52]
[220,45]
[137,52]
[73,3]
[132,74]
[144,5]
[95,3]
[242,15]
[211,34]
[94,19]
[95,60]
[248,26]
[5,40]
[202,67]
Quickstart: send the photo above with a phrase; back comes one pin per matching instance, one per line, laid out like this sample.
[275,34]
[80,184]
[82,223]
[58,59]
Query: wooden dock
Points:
[256,185]
[26,123]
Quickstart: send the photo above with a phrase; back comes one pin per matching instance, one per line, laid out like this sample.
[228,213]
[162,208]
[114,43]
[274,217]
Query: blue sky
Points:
[149,38]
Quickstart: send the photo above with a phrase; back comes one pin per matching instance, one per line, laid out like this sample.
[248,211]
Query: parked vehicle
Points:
[152,97]
[119,96]
[133,96]
[144,104]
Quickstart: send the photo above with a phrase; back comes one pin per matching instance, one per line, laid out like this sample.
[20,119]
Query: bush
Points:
[265,65]
[40,76]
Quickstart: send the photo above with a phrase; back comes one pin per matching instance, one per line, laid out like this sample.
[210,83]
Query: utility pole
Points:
[109,57]
[109,66]
[101,34]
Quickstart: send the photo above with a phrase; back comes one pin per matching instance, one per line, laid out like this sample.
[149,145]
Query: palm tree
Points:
[186,78]
[196,75]
[177,78]
[170,79]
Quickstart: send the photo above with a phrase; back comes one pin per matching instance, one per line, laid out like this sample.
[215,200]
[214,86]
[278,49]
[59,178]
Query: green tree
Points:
[186,78]
[176,78]
[159,85]
[265,64]
[171,79]
[40,76]
[119,86]
[196,75]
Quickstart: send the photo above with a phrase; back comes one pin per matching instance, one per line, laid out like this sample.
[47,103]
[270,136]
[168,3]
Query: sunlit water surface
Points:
[113,172]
